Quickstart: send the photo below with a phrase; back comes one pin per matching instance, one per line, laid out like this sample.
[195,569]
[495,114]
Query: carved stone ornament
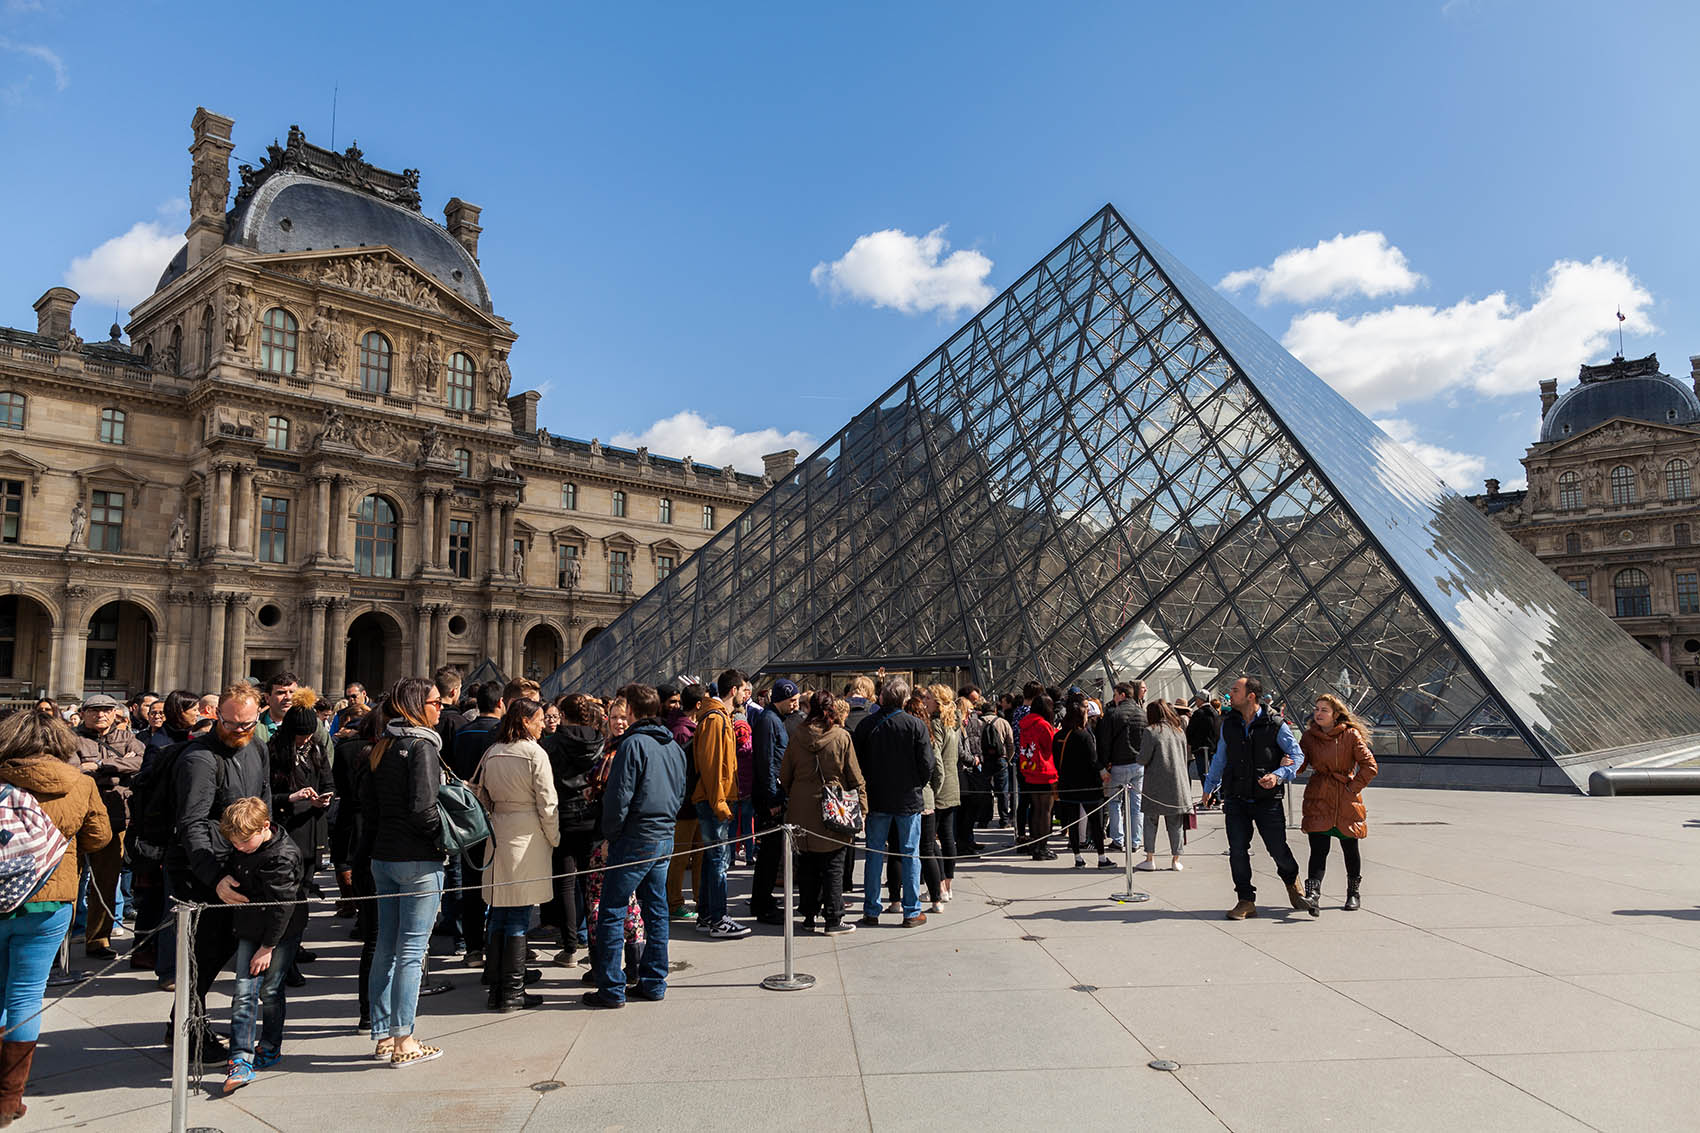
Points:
[178,540]
[379,439]
[238,318]
[335,431]
[595,447]
[427,363]
[433,447]
[373,274]
[643,455]
[349,167]
[79,523]
[330,344]
[498,378]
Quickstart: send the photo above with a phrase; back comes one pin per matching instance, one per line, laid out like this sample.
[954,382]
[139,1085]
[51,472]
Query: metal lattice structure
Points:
[1112,473]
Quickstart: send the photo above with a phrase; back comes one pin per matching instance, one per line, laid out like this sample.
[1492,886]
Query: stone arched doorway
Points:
[590,635]
[119,657]
[26,647]
[374,649]
[542,654]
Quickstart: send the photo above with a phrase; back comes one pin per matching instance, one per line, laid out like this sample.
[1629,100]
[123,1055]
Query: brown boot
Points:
[1297,896]
[345,889]
[1243,910]
[15,1059]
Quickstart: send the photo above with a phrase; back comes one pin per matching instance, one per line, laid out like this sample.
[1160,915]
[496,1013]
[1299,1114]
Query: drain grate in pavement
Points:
[997,904]
[1084,987]
[546,1087]
[1034,939]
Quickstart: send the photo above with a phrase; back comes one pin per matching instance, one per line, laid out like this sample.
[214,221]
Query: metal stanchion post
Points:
[1128,896]
[790,979]
[1015,808]
[180,1028]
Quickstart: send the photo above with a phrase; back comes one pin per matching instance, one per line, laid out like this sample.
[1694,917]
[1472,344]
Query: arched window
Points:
[1573,544]
[461,374]
[277,433]
[1623,484]
[1633,593]
[375,539]
[207,338]
[463,462]
[1569,491]
[374,363]
[277,342]
[112,426]
[1678,484]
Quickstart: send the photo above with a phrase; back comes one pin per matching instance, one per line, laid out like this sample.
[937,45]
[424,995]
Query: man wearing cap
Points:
[112,757]
[769,738]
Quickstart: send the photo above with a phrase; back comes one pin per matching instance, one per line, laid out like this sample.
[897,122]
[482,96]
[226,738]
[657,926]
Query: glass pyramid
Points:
[1112,473]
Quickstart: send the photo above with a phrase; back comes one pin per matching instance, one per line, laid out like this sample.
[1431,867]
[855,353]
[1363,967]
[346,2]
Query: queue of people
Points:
[600,813]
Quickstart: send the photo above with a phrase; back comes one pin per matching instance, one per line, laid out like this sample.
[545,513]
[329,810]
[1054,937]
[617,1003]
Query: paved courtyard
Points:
[1521,962]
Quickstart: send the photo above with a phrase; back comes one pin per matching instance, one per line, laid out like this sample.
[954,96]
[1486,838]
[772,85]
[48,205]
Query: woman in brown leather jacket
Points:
[1340,766]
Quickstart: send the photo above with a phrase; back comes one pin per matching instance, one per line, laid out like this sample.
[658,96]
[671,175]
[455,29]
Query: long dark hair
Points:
[1042,707]
[178,702]
[1159,714]
[514,720]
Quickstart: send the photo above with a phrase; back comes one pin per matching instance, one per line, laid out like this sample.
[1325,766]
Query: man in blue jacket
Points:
[768,740]
[1255,760]
[646,786]
[897,760]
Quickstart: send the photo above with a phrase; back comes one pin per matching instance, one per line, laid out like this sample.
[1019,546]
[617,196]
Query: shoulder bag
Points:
[462,821]
[840,810]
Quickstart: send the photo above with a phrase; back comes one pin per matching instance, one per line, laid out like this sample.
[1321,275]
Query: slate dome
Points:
[1633,389]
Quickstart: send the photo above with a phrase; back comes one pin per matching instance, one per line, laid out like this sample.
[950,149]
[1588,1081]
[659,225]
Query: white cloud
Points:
[1363,263]
[125,269]
[1462,470]
[688,433]
[891,268]
[61,77]
[1490,345]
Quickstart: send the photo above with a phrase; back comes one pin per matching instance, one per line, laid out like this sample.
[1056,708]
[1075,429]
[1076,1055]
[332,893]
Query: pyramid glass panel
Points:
[1112,473]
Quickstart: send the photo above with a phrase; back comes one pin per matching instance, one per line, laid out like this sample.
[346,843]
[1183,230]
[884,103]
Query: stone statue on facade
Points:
[689,465]
[519,558]
[327,339]
[497,378]
[427,364]
[433,446]
[177,542]
[643,455]
[595,448]
[79,524]
[574,569]
[238,318]
[336,428]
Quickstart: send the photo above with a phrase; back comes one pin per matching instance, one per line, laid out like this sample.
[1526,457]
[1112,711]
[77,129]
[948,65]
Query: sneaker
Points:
[1106,863]
[1177,867]
[936,907]
[807,924]
[241,1074]
[894,907]
[1079,862]
[1146,866]
[399,1061]
[840,928]
[566,958]
[727,929]
[266,1059]
[679,912]
[1116,848]
[704,925]
[915,921]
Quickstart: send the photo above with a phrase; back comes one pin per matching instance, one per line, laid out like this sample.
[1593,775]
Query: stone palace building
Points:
[308,457]
[1611,503]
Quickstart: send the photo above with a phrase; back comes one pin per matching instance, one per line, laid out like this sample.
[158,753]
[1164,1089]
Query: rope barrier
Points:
[79,985]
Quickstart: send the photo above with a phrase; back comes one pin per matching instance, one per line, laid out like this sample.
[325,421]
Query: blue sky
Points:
[660,182]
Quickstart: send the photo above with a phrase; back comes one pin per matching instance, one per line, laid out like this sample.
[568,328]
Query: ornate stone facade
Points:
[309,459]
[1611,503]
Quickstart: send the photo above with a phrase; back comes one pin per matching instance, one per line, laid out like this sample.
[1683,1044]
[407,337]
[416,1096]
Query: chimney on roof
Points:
[779,465]
[522,407]
[53,312]
[209,183]
[463,223]
[1549,394]
[1492,489]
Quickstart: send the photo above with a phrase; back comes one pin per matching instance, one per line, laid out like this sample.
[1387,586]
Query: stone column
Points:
[427,530]
[495,540]
[1664,648]
[321,516]
[507,538]
[440,536]
[505,648]
[73,645]
[212,659]
[313,646]
[339,522]
[242,536]
[336,647]
[422,640]
[221,508]
[236,638]
[492,621]
[440,615]
[165,673]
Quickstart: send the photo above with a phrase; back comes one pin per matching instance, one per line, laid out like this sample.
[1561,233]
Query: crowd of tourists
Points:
[593,814]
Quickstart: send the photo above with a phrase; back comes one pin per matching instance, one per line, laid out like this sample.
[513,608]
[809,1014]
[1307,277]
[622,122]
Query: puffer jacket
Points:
[574,752]
[399,798]
[71,802]
[1340,766]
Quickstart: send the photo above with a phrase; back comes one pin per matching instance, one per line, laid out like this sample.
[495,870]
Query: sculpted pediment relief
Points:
[1621,432]
[381,273]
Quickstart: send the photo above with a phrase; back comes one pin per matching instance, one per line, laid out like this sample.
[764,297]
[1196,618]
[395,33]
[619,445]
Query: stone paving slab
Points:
[1522,961]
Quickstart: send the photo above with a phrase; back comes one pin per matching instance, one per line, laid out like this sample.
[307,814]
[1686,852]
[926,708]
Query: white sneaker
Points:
[1146,866]
[1178,866]
[727,929]
[936,907]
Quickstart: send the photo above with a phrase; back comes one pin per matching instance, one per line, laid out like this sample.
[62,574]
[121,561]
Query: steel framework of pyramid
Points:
[1112,473]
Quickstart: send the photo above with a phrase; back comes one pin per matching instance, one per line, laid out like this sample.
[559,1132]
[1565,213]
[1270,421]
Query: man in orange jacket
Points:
[714,756]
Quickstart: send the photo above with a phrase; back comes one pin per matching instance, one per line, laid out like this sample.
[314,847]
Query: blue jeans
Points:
[506,920]
[907,829]
[28,944]
[744,814]
[408,895]
[259,999]
[608,947]
[1121,774]
[711,901]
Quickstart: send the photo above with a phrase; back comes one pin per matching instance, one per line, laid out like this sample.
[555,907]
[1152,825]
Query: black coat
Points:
[274,872]
[1120,730]
[896,754]
[574,750]
[768,739]
[472,740]
[1204,729]
[1076,754]
[399,797]
[208,777]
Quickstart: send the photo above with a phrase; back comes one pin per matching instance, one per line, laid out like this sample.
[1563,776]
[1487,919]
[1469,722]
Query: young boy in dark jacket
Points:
[267,867]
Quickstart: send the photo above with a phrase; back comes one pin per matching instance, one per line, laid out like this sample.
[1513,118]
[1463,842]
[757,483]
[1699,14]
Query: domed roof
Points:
[309,199]
[1633,389]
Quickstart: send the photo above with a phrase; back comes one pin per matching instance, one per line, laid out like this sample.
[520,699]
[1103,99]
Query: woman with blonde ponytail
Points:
[1338,758]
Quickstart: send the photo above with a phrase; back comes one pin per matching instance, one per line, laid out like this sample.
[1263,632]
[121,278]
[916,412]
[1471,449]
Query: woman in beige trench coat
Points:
[515,782]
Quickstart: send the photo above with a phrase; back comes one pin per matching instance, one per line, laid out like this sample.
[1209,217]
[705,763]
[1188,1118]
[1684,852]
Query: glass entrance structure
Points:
[1111,473]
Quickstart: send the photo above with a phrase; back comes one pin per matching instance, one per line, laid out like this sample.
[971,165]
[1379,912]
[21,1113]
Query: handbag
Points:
[31,847]
[462,821]
[840,810]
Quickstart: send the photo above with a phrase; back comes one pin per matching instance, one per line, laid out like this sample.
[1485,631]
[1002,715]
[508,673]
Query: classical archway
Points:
[26,646]
[590,635]
[374,651]
[119,658]
[542,651]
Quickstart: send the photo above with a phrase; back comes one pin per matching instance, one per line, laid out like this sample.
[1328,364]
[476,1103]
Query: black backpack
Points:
[991,743]
[153,804]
